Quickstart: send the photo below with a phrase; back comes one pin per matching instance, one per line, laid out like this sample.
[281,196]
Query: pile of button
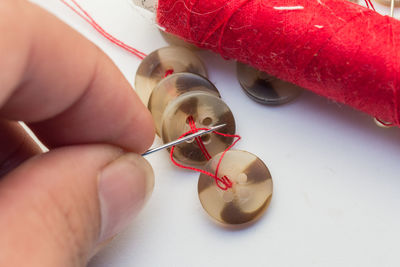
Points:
[172,83]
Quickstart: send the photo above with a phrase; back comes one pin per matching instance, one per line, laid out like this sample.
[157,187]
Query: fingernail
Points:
[124,187]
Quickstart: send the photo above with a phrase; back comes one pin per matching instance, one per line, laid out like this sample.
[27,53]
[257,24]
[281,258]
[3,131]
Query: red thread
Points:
[369,4]
[86,16]
[224,182]
[335,48]
[168,72]
[199,141]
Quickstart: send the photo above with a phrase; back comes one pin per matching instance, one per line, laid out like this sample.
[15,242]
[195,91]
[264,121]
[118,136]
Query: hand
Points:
[56,208]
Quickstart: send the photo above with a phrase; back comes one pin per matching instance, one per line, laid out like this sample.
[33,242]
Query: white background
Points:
[336,176]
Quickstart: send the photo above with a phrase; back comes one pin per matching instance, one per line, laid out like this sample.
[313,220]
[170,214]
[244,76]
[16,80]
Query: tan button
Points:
[250,194]
[173,86]
[155,66]
[206,110]
[177,41]
[388,2]
[264,88]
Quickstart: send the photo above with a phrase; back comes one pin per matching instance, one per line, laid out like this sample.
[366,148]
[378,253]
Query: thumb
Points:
[57,207]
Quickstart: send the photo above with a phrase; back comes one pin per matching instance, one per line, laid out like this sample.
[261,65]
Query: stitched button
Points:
[205,110]
[251,190]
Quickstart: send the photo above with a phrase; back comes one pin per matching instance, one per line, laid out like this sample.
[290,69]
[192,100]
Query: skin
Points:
[84,111]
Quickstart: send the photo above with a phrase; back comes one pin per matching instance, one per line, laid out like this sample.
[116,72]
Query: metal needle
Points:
[188,137]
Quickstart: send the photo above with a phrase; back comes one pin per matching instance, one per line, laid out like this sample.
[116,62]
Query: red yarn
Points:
[224,182]
[86,16]
[199,142]
[369,4]
[168,72]
[335,48]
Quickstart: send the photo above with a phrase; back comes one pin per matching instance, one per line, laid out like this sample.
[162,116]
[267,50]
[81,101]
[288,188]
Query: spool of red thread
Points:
[335,48]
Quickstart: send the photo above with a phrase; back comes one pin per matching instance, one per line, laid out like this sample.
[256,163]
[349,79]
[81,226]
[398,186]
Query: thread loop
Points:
[224,183]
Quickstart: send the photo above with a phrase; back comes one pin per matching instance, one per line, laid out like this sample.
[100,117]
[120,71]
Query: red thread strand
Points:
[168,72]
[369,4]
[226,150]
[224,182]
[89,19]
[199,141]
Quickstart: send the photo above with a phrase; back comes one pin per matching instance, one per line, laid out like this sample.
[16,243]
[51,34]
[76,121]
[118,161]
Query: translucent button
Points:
[264,88]
[177,41]
[205,110]
[173,86]
[166,60]
[250,194]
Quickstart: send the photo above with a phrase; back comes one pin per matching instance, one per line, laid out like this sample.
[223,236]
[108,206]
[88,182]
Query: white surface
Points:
[336,176]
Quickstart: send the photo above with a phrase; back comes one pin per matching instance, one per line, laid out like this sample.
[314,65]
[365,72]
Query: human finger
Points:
[59,206]
[63,86]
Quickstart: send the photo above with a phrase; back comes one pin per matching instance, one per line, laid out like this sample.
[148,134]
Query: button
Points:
[250,194]
[264,88]
[177,41]
[155,66]
[206,110]
[173,86]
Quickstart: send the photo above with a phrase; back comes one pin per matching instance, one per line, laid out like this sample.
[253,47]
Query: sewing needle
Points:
[188,137]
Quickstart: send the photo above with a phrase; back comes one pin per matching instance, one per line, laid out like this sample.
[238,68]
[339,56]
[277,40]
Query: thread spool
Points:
[322,46]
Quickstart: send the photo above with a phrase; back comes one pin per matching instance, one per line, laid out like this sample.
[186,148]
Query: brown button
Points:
[173,86]
[250,194]
[177,41]
[264,88]
[155,66]
[206,110]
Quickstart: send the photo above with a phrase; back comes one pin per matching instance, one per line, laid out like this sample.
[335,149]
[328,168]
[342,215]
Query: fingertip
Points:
[149,132]
[124,185]
[74,198]
[143,131]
